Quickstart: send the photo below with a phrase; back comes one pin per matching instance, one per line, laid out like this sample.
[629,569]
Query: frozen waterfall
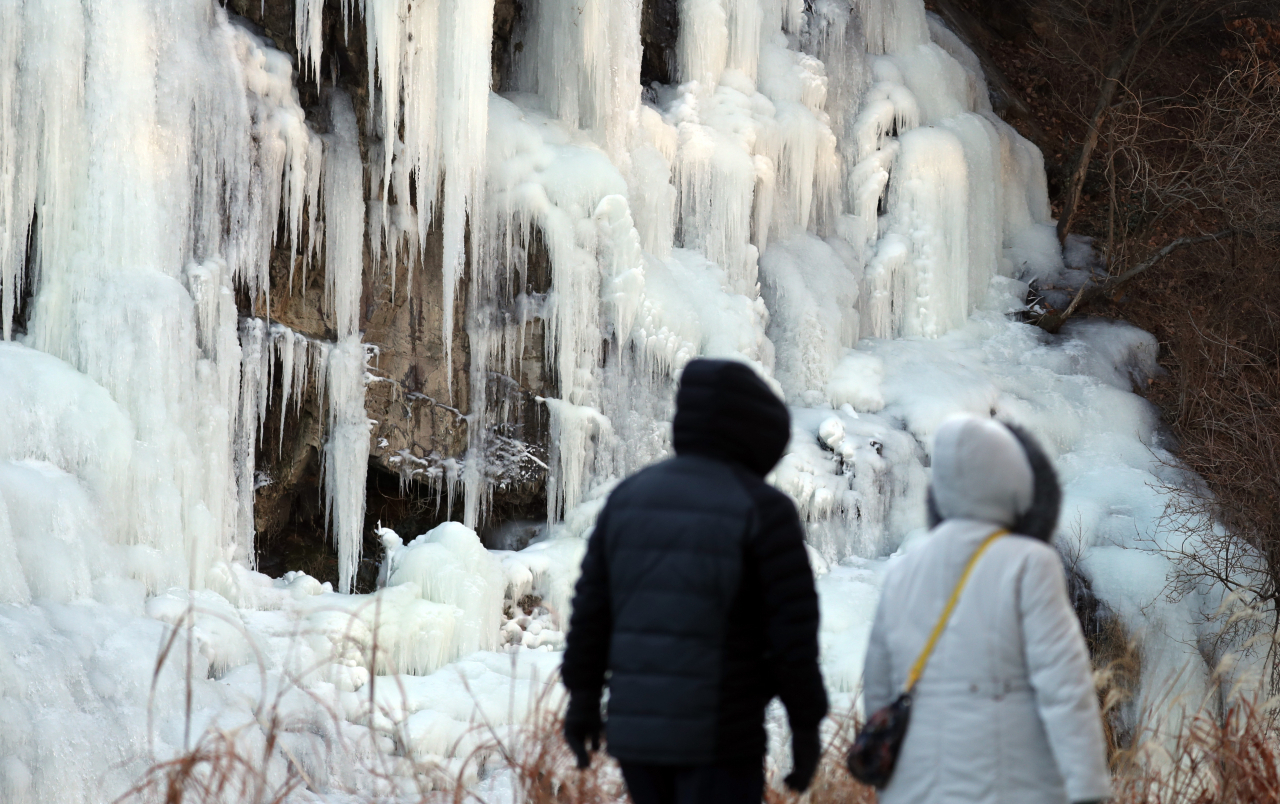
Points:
[822,191]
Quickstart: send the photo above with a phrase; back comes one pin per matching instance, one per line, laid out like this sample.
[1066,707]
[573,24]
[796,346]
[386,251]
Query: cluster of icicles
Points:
[819,173]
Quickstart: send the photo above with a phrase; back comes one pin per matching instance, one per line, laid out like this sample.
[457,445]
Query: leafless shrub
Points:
[1115,41]
[1228,513]
[1177,167]
[1213,152]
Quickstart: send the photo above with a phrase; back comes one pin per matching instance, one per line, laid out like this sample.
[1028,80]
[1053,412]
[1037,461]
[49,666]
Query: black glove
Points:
[582,725]
[806,750]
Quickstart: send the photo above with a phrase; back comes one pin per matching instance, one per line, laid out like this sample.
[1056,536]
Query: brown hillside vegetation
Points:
[1160,125]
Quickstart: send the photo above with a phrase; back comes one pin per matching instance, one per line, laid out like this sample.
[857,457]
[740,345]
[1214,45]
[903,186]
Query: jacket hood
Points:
[725,411]
[995,473]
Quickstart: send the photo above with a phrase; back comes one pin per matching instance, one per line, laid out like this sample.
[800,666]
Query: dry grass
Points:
[545,772]
[223,765]
[832,783]
[1230,759]
[541,766]
[251,763]
[1120,668]
[218,769]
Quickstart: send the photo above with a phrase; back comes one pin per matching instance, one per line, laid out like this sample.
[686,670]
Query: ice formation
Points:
[825,194]
[347,450]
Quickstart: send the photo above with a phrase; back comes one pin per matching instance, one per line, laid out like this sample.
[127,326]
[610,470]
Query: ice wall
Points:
[824,193]
[131,203]
[758,144]
[773,172]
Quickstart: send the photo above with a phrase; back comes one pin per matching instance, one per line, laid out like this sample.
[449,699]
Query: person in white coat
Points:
[1005,711]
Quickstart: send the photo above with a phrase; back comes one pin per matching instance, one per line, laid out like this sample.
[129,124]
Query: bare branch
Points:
[1106,93]
[1091,290]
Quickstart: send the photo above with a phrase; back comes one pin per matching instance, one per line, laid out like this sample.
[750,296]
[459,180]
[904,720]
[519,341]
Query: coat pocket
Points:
[1028,770]
[967,761]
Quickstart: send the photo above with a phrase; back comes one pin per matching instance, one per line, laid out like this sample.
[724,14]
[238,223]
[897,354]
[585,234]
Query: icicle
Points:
[985,201]
[304,364]
[284,144]
[746,20]
[653,198]
[343,217]
[704,42]
[928,207]
[42,141]
[587,66]
[621,261]
[475,486]
[308,32]
[716,179]
[204,283]
[283,339]
[346,454]
[893,26]
[16,186]
[800,143]
[315,168]
[252,344]
[385,43]
[576,431]
[465,73]
[428,48]
[421,112]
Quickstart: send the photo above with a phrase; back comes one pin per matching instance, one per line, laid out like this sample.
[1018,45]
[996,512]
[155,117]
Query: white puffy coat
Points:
[1005,711]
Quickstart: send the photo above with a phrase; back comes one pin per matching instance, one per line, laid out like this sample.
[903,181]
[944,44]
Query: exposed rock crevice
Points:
[418,399]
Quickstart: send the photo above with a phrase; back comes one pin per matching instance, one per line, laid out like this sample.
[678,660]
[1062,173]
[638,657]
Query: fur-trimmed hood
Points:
[993,472]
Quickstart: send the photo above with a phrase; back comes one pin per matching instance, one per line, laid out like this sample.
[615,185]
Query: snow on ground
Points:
[294,646]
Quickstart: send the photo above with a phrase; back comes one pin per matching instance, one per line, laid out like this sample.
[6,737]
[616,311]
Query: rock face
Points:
[659,32]
[508,44]
[418,400]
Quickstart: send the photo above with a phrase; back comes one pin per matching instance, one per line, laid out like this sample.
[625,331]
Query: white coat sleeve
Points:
[1058,662]
[877,670]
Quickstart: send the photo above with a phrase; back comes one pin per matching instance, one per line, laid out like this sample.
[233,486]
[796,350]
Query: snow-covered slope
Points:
[824,194]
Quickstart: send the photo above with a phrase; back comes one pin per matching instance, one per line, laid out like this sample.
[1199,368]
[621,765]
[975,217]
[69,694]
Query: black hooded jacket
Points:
[696,596]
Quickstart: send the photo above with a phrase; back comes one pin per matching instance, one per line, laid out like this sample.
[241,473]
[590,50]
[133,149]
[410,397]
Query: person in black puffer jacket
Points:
[696,605]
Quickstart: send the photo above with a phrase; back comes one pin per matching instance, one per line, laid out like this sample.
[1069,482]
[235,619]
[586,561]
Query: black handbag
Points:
[875,749]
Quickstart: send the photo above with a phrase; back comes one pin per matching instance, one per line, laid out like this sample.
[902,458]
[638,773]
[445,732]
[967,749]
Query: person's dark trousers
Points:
[698,784]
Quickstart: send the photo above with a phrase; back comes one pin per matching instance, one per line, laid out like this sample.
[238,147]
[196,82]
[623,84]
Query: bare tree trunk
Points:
[1106,95]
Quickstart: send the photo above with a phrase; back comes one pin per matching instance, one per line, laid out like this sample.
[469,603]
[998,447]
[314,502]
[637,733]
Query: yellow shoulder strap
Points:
[918,667]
